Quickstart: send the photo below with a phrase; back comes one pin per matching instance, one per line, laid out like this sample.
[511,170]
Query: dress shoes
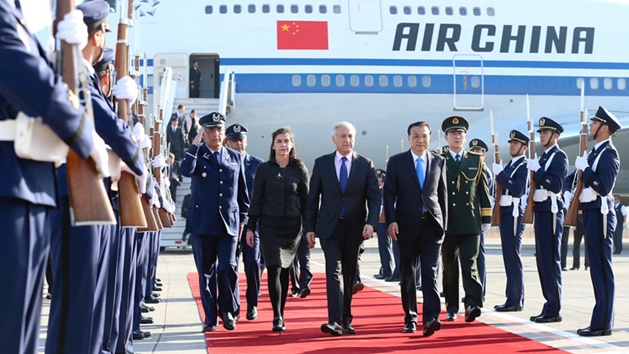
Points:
[379,276]
[358,287]
[157,283]
[146,320]
[152,300]
[294,293]
[138,334]
[533,318]
[564,269]
[229,323]
[410,327]
[503,308]
[278,324]
[209,328]
[451,317]
[431,327]
[333,328]
[149,308]
[155,295]
[548,319]
[392,279]
[588,332]
[348,329]
[304,293]
[574,268]
[157,288]
[471,313]
[252,313]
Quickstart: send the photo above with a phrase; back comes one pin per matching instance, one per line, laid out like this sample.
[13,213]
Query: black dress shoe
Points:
[431,327]
[157,284]
[548,319]
[294,293]
[252,313]
[358,287]
[304,293]
[152,300]
[501,305]
[229,323]
[451,317]
[146,320]
[379,276]
[209,328]
[333,328]
[150,308]
[471,313]
[410,327]
[392,279]
[564,269]
[157,288]
[139,335]
[143,309]
[574,268]
[278,324]
[504,308]
[588,332]
[586,267]
[348,329]
[156,295]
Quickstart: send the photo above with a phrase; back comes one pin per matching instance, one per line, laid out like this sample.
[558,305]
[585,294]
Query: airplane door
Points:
[209,65]
[469,83]
[365,16]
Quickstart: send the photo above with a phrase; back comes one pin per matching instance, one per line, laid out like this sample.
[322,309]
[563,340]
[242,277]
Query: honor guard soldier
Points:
[28,84]
[237,139]
[550,172]
[216,216]
[512,179]
[600,170]
[468,193]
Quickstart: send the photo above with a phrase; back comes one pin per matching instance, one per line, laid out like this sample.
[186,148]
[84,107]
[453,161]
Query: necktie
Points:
[457,158]
[420,172]
[343,174]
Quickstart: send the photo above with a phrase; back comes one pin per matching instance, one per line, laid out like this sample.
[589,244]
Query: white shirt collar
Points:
[338,156]
[415,157]
[460,153]
[601,143]
[550,148]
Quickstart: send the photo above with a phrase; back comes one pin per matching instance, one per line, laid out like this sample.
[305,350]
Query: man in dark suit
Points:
[180,114]
[195,80]
[216,216]
[174,138]
[344,182]
[174,176]
[416,210]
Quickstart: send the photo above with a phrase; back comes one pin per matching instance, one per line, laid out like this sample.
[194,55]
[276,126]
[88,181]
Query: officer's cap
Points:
[519,137]
[478,144]
[105,63]
[606,117]
[380,173]
[455,124]
[212,120]
[236,132]
[95,15]
[546,123]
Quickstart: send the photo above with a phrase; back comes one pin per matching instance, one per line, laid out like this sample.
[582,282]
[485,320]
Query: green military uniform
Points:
[469,207]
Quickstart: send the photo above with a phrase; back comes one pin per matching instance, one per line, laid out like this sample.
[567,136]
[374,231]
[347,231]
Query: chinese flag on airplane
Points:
[302,35]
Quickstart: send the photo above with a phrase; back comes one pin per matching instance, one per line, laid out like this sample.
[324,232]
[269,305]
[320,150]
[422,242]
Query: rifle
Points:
[527,218]
[495,215]
[573,211]
[89,203]
[131,214]
[157,149]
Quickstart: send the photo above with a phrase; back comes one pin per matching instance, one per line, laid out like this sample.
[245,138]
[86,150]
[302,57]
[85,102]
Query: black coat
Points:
[176,142]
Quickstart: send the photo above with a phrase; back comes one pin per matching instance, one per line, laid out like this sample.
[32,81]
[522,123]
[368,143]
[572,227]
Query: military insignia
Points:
[473,168]
[204,174]
[547,181]
[542,122]
[455,120]
[236,128]
[510,182]
[512,134]
[279,176]
[206,156]
[216,116]
[595,183]
[225,155]
[475,142]
[74,100]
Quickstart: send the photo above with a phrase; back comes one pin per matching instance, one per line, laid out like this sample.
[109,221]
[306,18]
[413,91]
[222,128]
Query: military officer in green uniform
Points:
[470,209]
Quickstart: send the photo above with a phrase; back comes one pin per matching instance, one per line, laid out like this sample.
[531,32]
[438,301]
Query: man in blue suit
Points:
[216,216]
[512,179]
[28,84]
[600,170]
[237,139]
[550,172]
[416,209]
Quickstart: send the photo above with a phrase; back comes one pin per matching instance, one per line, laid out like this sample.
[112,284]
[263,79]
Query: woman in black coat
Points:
[277,207]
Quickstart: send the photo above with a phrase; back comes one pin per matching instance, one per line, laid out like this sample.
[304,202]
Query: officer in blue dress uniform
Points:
[216,216]
[237,139]
[27,188]
[550,172]
[600,170]
[513,180]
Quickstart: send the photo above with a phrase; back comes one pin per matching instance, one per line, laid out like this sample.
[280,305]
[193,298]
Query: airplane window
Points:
[607,83]
[393,10]
[311,80]
[421,10]
[325,80]
[280,9]
[476,11]
[222,9]
[294,9]
[397,81]
[354,80]
[237,9]
[407,10]
[296,80]
[426,82]
[449,11]
[475,81]
[208,10]
[383,81]
[622,84]
[434,10]
[463,11]
[266,9]
[251,9]
[336,9]
[308,9]
[594,83]
[323,9]
[412,81]
[340,80]
[368,80]
[491,11]
[580,82]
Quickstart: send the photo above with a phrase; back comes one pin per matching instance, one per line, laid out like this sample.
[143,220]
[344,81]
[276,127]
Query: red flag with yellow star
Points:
[302,35]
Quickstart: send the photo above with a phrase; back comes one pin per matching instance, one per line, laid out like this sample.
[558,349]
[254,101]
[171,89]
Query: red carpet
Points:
[378,319]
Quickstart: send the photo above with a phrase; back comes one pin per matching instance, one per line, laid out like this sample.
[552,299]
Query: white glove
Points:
[567,197]
[72,29]
[485,227]
[533,164]
[126,89]
[155,201]
[581,162]
[497,167]
[138,131]
[159,162]
[145,142]
[100,156]
[140,180]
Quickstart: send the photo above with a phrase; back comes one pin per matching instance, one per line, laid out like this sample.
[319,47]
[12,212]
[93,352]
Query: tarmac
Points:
[177,325]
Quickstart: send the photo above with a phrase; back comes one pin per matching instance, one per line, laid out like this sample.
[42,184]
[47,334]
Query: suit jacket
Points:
[195,77]
[404,199]
[175,139]
[552,178]
[603,179]
[362,186]
[219,197]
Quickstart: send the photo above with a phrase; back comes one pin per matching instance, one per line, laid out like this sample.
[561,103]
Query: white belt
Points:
[32,139]
[588,195]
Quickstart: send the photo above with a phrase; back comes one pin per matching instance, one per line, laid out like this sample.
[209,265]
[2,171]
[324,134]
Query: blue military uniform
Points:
[599,221]
[548,221]
[27,188]
[218,206]
[513,181]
